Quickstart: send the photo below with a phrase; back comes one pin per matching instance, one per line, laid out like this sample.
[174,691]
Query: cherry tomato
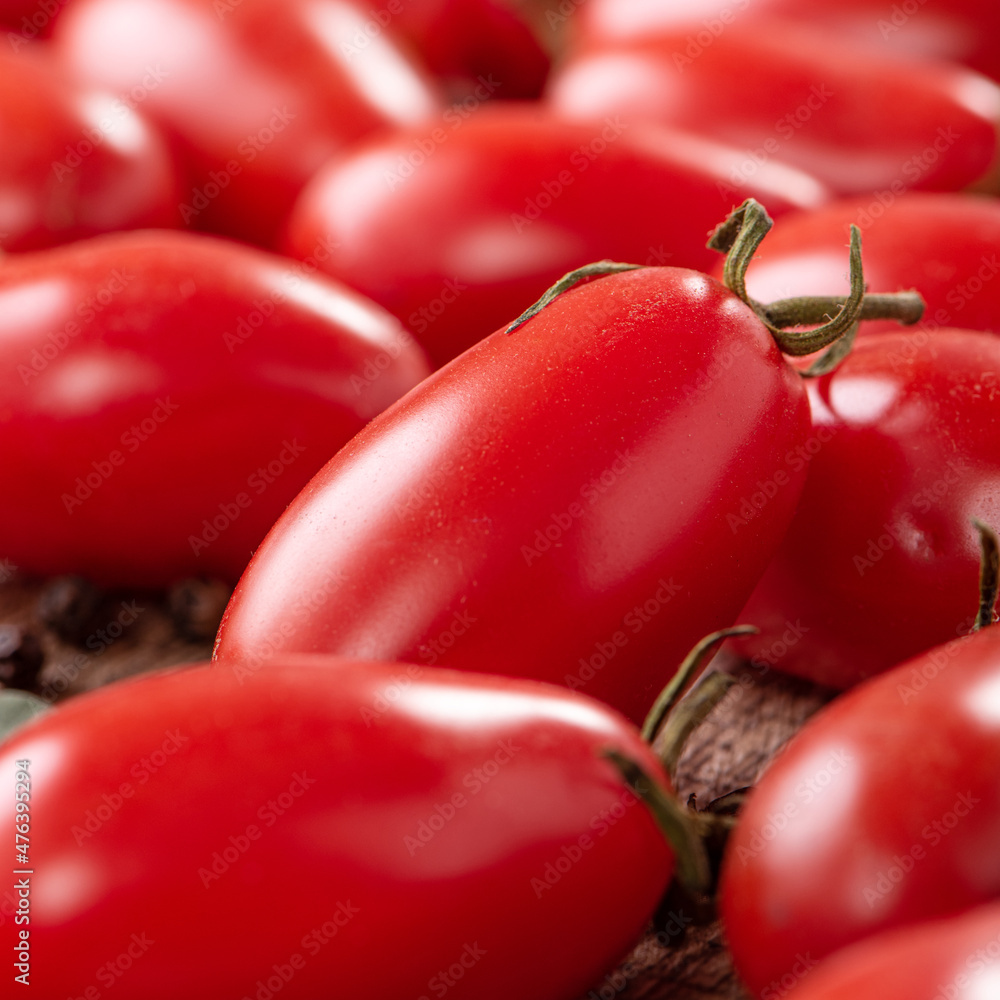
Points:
[256,93]
[552,504]
[457,228]
[299,822]
[76,161]
[164,395]
[954,959]
[944,245]
[882,811]
[466,40]
[957,30]
[880,562]
[857,121]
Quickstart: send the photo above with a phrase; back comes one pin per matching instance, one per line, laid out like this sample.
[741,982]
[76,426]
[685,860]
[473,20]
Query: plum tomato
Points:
[944,245]
[76,160]
[957,30]
[880,561]
[164,395]
[323,827]
[457,227]
[551,504]
[857,121]
[256,94]
[882,811]
[953,959]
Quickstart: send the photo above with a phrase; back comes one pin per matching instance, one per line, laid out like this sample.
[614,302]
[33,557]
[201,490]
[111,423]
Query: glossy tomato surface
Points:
[945,246]
[459,227]
[255,93]
[881,561]
[959,30]
[465,41]
[164,395]
[77,160]
[552,504]
[857,121]
[957,958]
[882,811]
[310,818]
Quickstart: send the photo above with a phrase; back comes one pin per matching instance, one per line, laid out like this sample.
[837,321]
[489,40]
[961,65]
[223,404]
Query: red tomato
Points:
[76,161]
[882,811]
[29,19]
[256,93]
[552,504]
[944,245]
[858,121]
[467,40]
[955,959]
[880,562]
[958,30]
[457,228]
[164,395]
[300,822]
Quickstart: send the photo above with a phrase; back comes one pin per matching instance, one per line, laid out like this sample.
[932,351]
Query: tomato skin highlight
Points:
[881,560]
[882,811]
[955,958]
[321,809]
[957,30]
[256,94]
[819,104]
[575,502]
[457,227]
[166,394]
[944,245]
[77,161]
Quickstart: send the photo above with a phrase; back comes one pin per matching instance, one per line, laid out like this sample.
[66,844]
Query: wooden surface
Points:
[64,637]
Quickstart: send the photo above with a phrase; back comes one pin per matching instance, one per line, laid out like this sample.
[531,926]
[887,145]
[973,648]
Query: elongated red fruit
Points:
[554,503]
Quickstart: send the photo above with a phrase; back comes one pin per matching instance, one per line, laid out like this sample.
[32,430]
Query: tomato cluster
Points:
[452,334]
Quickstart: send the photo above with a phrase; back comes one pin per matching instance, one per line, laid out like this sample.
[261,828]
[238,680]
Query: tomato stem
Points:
[680,826]
[741,235]
[568,281]
[686,672]
[989,575]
